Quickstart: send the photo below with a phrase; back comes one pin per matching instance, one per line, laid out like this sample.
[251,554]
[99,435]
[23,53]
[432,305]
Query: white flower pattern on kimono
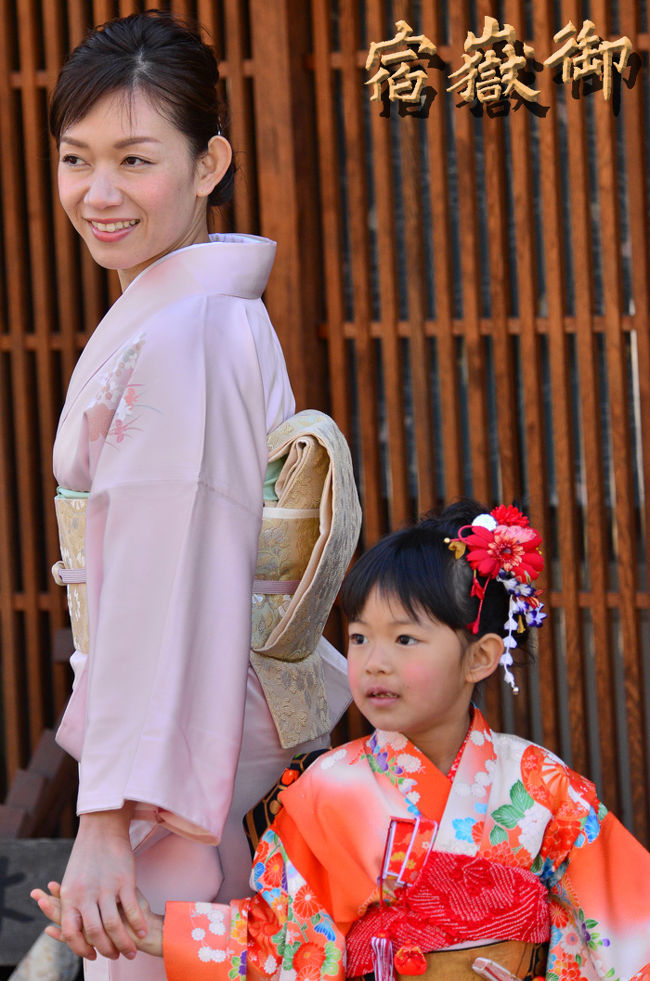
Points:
[408,763]
[210,954]
[532,827]
[393,739]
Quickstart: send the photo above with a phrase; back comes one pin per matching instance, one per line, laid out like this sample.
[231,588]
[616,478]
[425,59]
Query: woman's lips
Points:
[112,231]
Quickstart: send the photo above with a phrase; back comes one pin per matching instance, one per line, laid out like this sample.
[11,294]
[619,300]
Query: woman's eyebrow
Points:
[135,139]
[120,145]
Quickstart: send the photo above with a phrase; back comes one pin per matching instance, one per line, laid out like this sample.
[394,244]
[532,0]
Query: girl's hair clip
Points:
[502,546]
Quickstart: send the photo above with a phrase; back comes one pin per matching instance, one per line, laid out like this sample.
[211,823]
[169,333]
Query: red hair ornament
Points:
[502,546]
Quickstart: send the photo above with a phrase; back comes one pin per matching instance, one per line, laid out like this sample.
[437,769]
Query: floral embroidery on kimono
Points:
[513,803]
[112,413]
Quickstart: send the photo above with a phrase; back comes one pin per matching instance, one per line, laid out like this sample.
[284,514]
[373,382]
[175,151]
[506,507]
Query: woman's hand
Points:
[50,905]
[98,895]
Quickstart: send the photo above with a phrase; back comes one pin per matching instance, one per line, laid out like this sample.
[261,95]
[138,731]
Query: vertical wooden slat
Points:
[465,155]
[43,310]
[9,649]
[286,182]
[530,379]
[66,325]
[398,503]
[126,7]
[637,169]
[438,147]
[497,224]
[12,233]
[330,209]
[589,395]
[563,447]
[620,426]
[25,408]
[411,131]
[64,235]
[240,128]
[103,10]
[532,384]
[360,262]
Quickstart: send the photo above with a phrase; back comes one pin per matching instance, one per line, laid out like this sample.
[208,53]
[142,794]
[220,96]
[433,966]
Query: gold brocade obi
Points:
[307,540]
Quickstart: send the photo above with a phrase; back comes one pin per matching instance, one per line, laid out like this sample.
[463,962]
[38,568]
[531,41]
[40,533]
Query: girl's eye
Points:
[356,639]
[134,161]
[406,640]
[71,159]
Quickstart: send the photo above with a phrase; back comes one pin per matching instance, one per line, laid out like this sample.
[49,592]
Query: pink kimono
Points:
[165,425]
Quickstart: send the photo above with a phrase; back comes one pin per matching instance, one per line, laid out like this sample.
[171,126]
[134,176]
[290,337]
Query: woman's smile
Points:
[112,231]
[130,185]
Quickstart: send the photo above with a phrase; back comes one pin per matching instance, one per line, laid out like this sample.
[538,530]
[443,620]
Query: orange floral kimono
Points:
[510,802]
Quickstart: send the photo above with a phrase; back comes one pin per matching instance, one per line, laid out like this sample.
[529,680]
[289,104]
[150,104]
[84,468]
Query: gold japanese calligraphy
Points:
[493,63]
[488,76]
[405,82]
[584,53]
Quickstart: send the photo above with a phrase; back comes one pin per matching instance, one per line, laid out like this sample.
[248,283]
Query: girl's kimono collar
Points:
[420,781]
[230,265]
[396,755]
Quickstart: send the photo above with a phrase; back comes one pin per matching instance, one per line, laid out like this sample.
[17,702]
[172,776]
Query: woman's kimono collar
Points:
[231,265]
[235,265]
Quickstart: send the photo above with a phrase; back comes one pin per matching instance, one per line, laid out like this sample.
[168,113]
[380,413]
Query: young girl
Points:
[435,845]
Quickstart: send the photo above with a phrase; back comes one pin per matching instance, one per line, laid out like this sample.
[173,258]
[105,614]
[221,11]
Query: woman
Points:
[162,440]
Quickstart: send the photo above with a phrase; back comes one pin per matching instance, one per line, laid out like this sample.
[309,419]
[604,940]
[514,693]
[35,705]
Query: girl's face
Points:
[130,185]
[411,676]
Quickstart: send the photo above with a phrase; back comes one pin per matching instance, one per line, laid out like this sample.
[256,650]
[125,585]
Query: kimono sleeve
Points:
[172,525]
[282,928]
[600,906]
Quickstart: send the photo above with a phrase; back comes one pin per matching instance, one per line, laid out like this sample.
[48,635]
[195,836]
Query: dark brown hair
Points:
[416,567]
[159,55]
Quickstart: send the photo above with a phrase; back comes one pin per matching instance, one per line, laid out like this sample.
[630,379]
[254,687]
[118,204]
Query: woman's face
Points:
[130,185]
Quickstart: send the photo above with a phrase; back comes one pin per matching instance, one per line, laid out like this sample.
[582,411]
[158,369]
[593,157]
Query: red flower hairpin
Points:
[502,546]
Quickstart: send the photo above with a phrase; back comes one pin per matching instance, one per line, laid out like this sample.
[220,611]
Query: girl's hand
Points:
[98,896]
[50,905]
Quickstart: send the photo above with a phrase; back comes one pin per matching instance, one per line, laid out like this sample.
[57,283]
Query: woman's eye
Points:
[71,159]
[134,161]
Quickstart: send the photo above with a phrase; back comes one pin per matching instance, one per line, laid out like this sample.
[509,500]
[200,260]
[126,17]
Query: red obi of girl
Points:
[453,899]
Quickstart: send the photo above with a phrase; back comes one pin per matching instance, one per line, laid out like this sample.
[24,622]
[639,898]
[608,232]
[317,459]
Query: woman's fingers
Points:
[114,927]
[82,931]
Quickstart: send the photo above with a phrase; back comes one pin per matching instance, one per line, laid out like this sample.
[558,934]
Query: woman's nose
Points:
[102,191]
